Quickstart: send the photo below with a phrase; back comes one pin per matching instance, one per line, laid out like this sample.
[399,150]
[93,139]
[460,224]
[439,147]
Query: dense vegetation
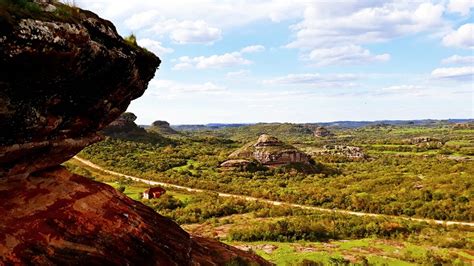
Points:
[399,178]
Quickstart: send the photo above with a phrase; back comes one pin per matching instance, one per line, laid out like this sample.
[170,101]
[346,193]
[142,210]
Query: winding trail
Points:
[272,202]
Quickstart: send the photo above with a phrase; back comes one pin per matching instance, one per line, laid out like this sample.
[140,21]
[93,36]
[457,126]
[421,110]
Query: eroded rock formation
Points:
[350,152]
[162,127]
[270,151]
[65,76]
[123,125]
[322,132]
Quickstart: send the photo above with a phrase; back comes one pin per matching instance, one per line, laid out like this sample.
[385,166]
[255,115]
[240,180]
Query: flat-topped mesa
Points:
[270,151]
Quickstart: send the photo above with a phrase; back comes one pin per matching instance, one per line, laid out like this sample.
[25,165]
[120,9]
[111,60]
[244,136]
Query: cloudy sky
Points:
[301,61]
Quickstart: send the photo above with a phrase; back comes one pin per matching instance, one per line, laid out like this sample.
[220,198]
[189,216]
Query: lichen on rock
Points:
[63,80]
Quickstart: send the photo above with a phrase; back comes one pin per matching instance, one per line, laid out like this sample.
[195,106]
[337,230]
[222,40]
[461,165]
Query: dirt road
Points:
[272,202]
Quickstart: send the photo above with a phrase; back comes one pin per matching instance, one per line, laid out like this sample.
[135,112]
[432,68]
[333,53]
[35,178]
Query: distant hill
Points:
[341,124]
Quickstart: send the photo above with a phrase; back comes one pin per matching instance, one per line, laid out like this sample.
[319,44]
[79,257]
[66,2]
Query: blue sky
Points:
[301,61]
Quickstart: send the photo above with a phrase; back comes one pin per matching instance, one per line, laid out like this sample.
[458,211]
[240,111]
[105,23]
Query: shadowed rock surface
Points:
[61,81]
[64,76]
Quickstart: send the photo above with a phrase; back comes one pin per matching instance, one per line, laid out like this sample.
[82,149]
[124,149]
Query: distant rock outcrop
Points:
[467,125]
[162,127]
[426,142]
[270,151]
[125,128]
[322,132]
[350,152]
[65,76]
[123,125]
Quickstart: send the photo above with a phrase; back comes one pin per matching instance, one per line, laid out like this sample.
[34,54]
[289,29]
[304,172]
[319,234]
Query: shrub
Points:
[131,40]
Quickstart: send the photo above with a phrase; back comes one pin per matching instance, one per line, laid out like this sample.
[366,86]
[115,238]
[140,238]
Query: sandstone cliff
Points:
[66,74]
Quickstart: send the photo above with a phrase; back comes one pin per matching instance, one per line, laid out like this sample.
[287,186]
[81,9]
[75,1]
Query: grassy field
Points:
[369,250]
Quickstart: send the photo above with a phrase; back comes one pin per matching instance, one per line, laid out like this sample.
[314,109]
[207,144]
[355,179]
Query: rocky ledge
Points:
[55,217]
[63,77]
[66,74]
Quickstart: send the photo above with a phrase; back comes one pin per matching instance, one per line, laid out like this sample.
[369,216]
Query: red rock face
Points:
[55,217]
[61,80]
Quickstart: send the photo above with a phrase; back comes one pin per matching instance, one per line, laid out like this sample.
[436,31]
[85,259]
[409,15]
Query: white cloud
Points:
[463,7]
[253,49]
[462,37]
[344,55]
[349,25]
[216,12]
[403,90]
[238,74]
[459,60]
[213,61]
[316,79]
[187,31]
[218,61]
[141,20]
[454,73]
[171,88]
[364,24]
[154,46]
[324,24]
